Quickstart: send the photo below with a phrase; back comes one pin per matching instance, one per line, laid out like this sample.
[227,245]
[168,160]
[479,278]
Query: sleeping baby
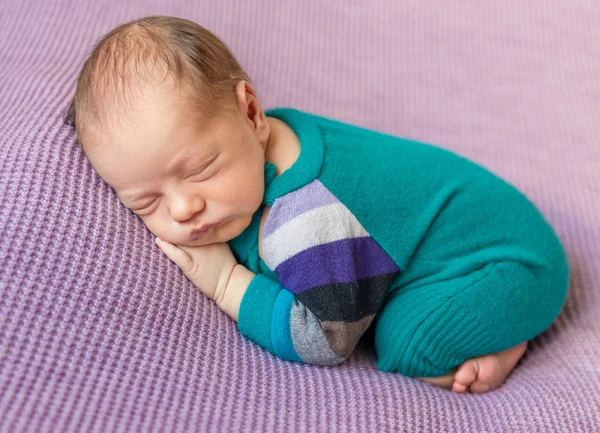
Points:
[308,231]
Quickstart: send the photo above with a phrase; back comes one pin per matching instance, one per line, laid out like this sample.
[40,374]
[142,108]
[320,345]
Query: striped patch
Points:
[338,275]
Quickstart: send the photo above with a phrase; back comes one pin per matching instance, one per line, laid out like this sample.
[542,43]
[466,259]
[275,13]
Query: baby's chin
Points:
[203,242]
[208,240]
[194,243]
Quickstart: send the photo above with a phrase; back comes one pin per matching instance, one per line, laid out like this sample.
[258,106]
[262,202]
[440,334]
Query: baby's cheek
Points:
[152,224]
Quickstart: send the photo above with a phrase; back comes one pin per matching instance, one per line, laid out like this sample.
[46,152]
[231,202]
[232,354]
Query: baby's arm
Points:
[319,320]
[322,329]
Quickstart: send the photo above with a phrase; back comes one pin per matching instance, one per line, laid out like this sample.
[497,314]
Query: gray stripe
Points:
[343,336]
[309,339]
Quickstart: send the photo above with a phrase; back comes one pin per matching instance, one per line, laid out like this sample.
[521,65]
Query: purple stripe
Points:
[309,197]
[341,261]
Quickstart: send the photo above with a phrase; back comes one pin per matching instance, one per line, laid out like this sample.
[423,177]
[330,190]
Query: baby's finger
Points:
[177,255]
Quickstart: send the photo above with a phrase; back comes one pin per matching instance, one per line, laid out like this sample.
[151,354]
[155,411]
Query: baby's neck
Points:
[283,147]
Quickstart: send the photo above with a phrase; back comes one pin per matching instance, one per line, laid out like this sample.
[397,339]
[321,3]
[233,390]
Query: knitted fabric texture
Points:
[101,332]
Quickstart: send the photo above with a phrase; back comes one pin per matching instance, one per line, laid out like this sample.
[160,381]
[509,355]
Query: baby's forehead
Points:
[163,114]
[159,131]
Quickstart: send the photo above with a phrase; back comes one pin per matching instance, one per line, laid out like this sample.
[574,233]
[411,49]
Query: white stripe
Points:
[318,226]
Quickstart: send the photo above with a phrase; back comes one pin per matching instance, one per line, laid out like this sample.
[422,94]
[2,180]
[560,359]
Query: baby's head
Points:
[168,118]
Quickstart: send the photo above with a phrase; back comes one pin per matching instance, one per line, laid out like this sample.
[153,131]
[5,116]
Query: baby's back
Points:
[422,202]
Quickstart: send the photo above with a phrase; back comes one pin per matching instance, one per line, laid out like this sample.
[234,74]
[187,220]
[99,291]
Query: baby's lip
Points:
[206,226]
[198,235]
[199,232]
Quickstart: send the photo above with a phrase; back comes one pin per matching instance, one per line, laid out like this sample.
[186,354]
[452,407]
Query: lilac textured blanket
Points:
[100,332]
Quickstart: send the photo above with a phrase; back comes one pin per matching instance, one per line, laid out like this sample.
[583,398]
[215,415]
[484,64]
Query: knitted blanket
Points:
[101,332]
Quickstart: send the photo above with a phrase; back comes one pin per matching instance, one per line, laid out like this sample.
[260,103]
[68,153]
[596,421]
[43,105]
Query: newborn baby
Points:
[308,231]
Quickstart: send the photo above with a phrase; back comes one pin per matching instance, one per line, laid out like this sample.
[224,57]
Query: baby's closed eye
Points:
[203,172]
[136,209]
[202,175]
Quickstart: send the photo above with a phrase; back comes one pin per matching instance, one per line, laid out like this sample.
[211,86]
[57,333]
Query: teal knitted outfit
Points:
[444,260]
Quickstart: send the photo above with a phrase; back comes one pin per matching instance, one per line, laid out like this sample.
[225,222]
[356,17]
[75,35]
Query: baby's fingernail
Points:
[158,241]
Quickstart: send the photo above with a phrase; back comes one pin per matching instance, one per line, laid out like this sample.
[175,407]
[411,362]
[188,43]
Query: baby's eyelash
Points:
[203,169]
[202,173]
[202,176]
[144,207]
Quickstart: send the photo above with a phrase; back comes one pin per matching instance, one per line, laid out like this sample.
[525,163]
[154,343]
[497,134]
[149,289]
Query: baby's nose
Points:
[184,208]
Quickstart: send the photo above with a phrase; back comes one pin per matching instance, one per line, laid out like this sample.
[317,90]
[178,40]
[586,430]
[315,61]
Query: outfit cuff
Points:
[256,311]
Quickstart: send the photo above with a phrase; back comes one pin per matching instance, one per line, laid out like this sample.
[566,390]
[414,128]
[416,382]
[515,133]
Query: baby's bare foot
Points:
[486,373]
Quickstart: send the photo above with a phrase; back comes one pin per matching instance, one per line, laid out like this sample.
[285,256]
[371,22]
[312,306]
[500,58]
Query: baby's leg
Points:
[467,330]
[483,374]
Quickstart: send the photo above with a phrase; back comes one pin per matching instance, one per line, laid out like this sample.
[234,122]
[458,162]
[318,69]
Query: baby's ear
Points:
[250,108]
[246,99]
[263,129]
[241,97]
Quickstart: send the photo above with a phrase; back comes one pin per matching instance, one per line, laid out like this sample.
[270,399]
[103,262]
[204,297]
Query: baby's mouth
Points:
[199,234]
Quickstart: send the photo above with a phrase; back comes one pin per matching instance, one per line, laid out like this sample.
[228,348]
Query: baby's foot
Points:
[486,373]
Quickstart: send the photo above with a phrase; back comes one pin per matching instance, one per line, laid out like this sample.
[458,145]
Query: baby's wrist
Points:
[236,288]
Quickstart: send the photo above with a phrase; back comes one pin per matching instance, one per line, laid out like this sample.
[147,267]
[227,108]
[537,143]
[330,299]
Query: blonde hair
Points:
[124,63]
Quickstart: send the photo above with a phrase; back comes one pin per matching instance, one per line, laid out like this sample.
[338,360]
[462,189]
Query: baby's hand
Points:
[208,267]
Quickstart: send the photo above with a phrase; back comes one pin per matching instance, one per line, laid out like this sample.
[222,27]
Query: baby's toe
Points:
[489,376]
[459,387]
[479,387]
[466,374]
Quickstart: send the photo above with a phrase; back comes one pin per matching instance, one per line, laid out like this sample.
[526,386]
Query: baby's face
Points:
[179,175]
